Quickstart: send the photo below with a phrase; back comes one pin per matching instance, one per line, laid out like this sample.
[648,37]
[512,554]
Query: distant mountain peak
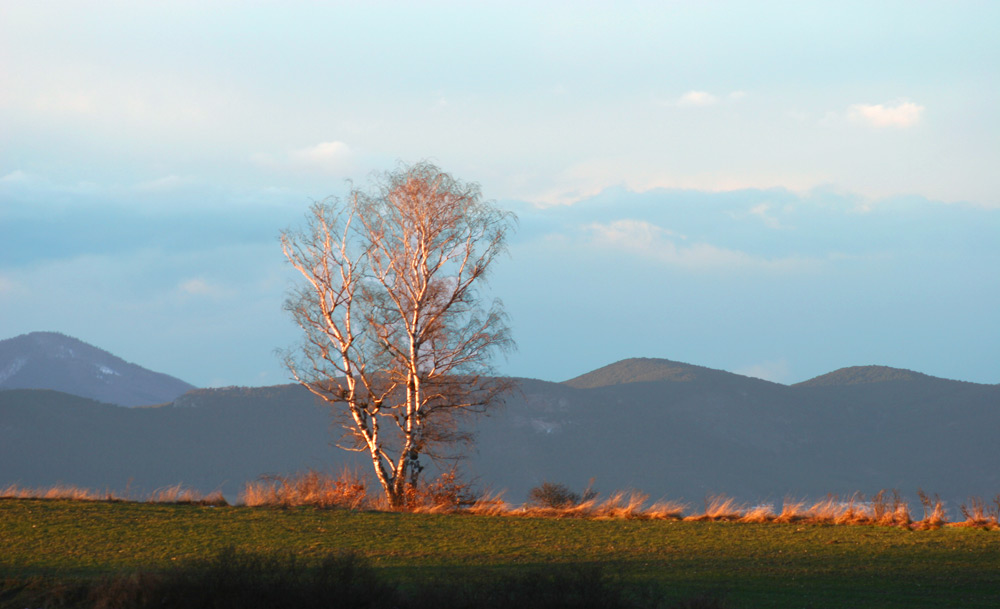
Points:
[50,360]
[860,375]
[644,370]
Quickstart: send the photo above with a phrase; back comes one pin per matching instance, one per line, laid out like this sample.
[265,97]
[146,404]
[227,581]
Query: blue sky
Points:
[774,188]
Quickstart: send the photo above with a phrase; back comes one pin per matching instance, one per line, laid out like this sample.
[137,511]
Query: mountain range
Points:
[49,360]
[670,429]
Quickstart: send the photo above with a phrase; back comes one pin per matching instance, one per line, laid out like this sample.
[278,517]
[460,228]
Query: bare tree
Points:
[396,337]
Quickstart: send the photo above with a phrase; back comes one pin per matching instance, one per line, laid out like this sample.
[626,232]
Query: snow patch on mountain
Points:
[545,427]
[64,352]
[12,368]
[105,371]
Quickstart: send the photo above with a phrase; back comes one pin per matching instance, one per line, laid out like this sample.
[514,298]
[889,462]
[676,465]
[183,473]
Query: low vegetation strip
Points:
[738,564]
[448,494]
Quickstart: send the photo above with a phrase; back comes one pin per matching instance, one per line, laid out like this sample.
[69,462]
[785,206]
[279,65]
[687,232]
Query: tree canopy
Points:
[396,336]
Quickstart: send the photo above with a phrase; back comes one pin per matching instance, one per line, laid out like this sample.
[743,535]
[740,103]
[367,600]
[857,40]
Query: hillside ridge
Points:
[650,369]
[51,360]
[863,375]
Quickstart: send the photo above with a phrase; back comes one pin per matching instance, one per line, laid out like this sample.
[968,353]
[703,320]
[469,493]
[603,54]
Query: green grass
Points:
[748,565]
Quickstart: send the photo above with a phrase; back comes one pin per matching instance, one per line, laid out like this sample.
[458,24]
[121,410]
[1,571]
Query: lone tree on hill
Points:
[396,338]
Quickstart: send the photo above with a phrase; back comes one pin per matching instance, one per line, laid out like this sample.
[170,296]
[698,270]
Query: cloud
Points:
[665,246]
[200,287]
[776,371]
[328,158]
[697,98]
[7,286]
[161,302]
[762,211]
[15,176]
[63,103]
[903,114]
[164,184]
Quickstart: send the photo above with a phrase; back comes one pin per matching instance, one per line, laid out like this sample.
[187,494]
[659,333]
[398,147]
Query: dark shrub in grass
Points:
[538,587]
[39,591]
[240,580]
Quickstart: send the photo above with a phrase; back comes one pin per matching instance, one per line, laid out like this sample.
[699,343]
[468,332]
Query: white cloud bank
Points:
[661,245]
[694,99]
[326,158]
[776,371]
[15,176]
[329,157]
[903,114]
[7,286]
[198,286]
[697,98]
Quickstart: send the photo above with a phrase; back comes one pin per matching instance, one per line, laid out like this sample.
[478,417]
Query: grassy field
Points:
[744,565]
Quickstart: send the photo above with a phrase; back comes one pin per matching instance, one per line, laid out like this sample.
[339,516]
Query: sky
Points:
[778,189]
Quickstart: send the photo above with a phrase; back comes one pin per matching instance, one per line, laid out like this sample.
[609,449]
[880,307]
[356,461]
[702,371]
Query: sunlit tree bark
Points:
[397,339]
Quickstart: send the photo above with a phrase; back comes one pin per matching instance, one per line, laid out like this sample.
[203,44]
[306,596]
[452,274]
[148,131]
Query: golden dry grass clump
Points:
[934,513]
[171,494]
[886,508]
[759,513]
[719,508]
[980,515]
[180,494]
[58,491]
[348,490]
[351,490]
[553,502]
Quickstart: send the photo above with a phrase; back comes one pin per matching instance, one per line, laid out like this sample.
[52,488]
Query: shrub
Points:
[552,495]
[446,493]
[246,580]
[537,587]
[236,579]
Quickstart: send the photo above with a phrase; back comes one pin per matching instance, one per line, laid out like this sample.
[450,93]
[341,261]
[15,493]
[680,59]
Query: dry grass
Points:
[489,504]
[180,495]
[666,510]
[619,505]
[351,490]
[172,494]
[759,513]
[980,515]
[792,511]
[886,508]
[59,491]
[719,508]
[889,509]
[934,514]
[348,490]
[852,511]
[622,505]
[447,494]
[582,509]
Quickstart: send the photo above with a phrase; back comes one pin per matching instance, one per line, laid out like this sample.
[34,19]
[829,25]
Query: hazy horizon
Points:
[774,190]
